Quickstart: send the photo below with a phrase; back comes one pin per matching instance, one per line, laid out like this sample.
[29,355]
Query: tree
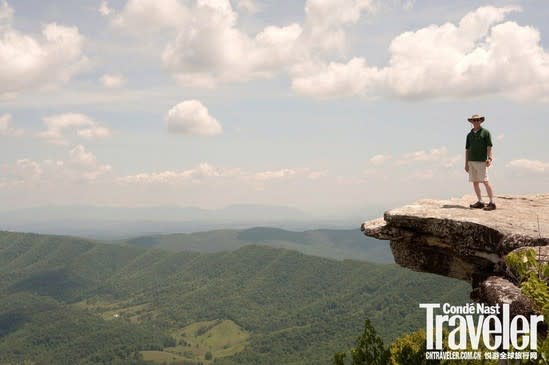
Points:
[369,349]
[410,349]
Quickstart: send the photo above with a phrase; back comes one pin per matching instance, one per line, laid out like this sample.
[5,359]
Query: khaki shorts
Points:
[478,171]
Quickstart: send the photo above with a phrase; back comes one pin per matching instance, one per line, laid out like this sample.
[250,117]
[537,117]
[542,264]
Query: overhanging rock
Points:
[446,237]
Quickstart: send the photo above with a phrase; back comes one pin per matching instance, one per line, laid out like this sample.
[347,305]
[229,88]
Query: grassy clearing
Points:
[221,338]
[161,356]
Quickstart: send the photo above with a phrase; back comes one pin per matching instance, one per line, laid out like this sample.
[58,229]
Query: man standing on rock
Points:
[478,157]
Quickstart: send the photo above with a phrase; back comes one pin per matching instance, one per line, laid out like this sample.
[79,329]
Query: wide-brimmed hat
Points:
[476,117]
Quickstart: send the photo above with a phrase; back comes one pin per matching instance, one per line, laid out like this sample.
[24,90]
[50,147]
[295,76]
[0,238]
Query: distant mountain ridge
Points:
[330,243]
[99,222]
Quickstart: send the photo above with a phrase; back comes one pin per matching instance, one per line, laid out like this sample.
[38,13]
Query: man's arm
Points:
[488,139]
[488,155]
[467,146]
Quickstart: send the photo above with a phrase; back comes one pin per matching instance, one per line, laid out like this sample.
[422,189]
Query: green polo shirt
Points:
[476,143]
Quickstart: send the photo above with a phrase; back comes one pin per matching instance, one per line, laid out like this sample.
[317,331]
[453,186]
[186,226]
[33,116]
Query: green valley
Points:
[66,300]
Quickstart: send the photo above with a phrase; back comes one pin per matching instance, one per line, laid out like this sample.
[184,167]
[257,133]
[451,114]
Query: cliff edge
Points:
[448,238]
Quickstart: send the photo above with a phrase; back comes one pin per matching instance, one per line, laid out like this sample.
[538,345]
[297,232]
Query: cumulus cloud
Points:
[85,164]
[191,117]
[80,165]
[326,21]
[112,81]
[151,15]
[210,48]
[480,55]
[29,62]
[59,125]
[197,174]
[530,165]
[207,171]
[335,79]
[6,128]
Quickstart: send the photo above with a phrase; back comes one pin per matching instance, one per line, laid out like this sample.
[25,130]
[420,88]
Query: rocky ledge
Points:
[446,237]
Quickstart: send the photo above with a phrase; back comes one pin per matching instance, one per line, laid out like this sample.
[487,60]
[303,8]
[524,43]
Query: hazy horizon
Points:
[122,222]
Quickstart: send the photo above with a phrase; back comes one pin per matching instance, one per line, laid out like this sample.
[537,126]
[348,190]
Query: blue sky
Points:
[323,105]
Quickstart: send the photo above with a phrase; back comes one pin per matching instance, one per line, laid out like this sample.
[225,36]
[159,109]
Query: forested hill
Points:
[331,243]
[65,300]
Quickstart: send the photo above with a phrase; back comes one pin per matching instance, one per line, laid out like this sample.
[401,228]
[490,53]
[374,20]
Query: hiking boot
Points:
[490,206]
[477,205]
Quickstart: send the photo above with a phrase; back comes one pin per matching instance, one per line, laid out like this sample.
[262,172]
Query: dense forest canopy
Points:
[67,300]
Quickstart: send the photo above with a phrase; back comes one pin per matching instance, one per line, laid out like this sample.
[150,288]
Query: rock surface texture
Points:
[446,237]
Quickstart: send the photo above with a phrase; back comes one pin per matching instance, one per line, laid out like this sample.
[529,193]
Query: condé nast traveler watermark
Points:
[477,331]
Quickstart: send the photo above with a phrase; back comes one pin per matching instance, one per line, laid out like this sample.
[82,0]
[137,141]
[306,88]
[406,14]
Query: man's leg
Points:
[476,185]
[489,191]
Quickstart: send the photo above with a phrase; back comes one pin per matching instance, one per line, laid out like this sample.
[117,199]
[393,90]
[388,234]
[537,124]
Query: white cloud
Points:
[379,159]
[6,129]
[335,79]
[29,62]
[205,171]
[210,48]
[448,59]
[531,165]
[276,174]
[197,174]
[326,21]
[151,15]
[479,56]
[112,81]
[104,8]
[80,165]
[85,164]
[191,117]
[59,125]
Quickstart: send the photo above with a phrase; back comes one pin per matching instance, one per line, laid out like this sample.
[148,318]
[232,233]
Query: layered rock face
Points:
[446,237]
